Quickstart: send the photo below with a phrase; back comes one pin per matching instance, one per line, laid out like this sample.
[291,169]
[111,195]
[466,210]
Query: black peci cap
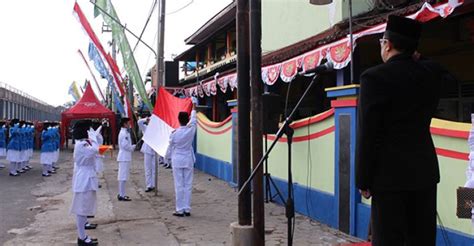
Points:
[80,129]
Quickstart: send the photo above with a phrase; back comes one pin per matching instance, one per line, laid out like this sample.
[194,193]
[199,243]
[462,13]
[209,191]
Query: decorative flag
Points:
[87,27]
[104,73]
[164,120]
[74,91]
[127,53]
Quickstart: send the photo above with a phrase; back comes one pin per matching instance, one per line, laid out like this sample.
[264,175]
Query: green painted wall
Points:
[313,161]
[285,22]
[215,146]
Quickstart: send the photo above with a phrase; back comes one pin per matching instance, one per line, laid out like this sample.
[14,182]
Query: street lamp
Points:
[320,2]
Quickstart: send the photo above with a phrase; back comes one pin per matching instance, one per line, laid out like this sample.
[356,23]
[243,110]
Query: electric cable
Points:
[153,6]
[176,11]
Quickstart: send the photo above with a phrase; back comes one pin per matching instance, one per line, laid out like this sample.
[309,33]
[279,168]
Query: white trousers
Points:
[150,165]
[183,180]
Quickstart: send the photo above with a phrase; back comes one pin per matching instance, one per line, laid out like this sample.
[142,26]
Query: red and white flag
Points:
[164,120]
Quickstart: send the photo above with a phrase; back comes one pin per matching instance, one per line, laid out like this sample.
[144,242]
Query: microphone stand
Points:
[284,129]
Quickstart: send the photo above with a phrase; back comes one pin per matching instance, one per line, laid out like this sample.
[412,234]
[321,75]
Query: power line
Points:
[176,11]
[146,23]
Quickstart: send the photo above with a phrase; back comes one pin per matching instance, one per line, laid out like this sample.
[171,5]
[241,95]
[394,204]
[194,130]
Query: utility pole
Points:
[243,107]
[159,67]
[161,44]
[257,118]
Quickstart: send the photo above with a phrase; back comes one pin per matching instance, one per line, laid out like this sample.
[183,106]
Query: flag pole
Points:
[93,76]
[159,68]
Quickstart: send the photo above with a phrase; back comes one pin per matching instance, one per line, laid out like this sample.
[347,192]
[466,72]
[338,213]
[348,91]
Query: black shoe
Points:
[100,186]
[187,214]
[56,168]
[178,214]
[46,175]
[150,189]
[87,241]
[20,171]
[90,226]
[168,166]
[25,169]
[52,172]
[90,216]
[14,175]
[123,198]
[29,167]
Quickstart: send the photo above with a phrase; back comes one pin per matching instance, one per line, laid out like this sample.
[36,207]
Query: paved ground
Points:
[38,214]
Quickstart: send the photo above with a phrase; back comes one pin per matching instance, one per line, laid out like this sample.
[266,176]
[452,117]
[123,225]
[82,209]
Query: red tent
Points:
[88,107]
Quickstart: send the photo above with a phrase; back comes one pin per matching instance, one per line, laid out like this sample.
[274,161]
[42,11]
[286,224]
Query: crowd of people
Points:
[88,166]
[18,141]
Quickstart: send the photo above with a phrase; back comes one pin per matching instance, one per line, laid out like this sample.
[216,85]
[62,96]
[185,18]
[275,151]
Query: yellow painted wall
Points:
[216,146]
[313,161]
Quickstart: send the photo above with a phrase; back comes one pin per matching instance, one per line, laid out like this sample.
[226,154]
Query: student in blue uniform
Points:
[13,147]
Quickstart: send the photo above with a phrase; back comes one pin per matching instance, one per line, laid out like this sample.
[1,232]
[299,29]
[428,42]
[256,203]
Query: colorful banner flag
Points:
[164,120]
[127,53]
[87,27]
[74,91]
[104,73]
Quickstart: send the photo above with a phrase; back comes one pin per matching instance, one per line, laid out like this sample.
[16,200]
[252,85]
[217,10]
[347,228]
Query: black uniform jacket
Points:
[394,149]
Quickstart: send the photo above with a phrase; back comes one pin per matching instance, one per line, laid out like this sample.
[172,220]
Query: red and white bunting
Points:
[213,87]
[232,81]
[340,55]
[289,70]
[270,74]
[206,88]
[222,82]
[200,91]
[312,60]
[338,52]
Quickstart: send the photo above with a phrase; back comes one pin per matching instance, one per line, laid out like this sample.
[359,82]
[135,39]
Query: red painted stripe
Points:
[316,119]
[452,154]
[234,110]
[212,132]
[449,133]
[306,137]
[215,124]
[344,103]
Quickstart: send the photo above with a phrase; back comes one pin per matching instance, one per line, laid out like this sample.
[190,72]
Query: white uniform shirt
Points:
[181,145]
[125,146]
[85,178]
[146,149]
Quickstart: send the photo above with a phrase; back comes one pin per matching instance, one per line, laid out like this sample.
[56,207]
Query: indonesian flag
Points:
[164,120]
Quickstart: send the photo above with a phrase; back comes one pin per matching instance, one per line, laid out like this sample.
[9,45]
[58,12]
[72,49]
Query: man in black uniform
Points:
[396,162]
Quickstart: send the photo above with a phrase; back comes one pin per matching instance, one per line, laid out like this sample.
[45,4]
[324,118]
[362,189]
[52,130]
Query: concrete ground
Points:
[35,211]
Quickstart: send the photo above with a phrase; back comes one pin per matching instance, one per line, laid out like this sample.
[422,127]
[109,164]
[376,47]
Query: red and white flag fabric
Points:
[164,120]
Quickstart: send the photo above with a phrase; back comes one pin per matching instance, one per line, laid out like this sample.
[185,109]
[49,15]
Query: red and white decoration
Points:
[338,52]
[165,119]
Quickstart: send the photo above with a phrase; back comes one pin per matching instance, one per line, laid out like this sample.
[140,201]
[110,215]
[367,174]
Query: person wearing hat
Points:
[181,152]
[124,158]
[84,181]
[149,159]
[396,162]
